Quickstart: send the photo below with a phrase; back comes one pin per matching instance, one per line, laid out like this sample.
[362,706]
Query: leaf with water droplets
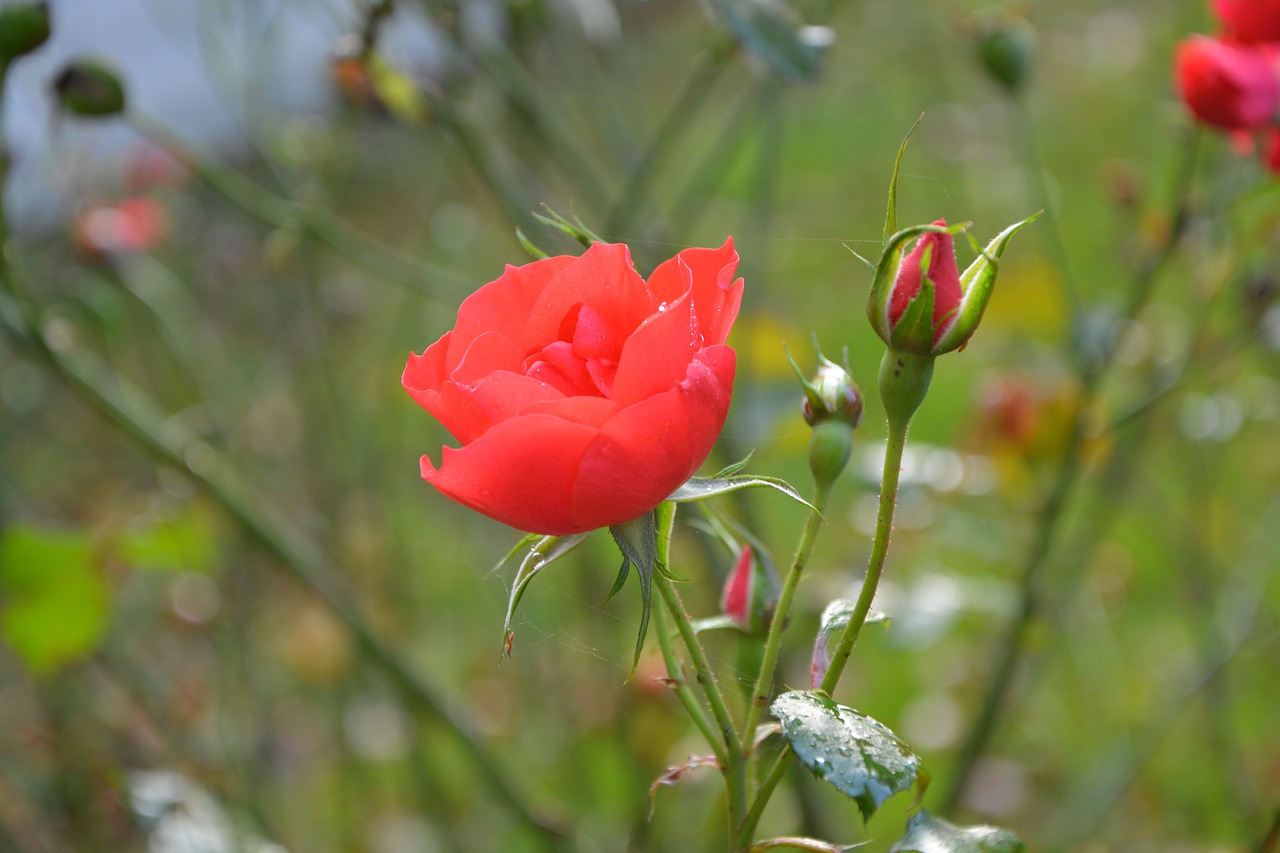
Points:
[929,834]
[856,754]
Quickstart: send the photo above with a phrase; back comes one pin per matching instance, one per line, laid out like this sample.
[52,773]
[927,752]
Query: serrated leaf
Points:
[55,597]
[834,619]
[856,754]
[715,623]
[545,551]
[929,834]
[638,541]
[701,488]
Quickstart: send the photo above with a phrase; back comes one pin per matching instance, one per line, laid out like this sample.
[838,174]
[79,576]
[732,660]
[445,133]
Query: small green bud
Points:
[23,28]
[833,407]
[87,87]
[1006,48]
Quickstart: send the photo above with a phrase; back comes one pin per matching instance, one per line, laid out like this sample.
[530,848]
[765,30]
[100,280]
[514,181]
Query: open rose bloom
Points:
[582,395]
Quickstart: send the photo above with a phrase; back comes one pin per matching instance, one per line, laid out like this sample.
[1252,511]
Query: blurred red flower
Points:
[1230,86]
[1249,21]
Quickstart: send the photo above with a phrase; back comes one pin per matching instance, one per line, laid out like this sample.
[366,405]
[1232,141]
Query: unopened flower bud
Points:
[86,87]
[921,304]
[833,407]
[750,592]
[1006,47]
[23,27]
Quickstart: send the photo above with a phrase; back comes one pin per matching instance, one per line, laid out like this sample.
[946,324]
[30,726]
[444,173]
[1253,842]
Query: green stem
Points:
[897,442]
[733,766]
[675,672]
[763,690]
[894,447]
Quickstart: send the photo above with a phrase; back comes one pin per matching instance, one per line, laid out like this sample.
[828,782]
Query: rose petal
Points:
[603,279]
[488,353]
[716,294]
[503,305]
[621,477]
[520,472]
[656,356]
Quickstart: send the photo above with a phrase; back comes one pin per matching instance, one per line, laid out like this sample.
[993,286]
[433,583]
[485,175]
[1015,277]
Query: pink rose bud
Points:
[735,602]
[581,395]
[934,257]
[1249,21]
[921,305]
[1230,86]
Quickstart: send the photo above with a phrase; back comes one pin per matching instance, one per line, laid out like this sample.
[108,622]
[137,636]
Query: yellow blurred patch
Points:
[1030,299]
[759,340]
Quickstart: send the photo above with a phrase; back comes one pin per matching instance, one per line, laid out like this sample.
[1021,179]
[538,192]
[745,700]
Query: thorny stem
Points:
[733,766]
[894,447]
[675,672]
[896,444]
[764,681]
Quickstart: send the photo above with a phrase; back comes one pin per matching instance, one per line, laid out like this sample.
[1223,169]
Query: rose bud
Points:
[86,87]
[582,395]
[1249,21]
[1231,86]
[750,592]
[921,305]
[1006,48]
[833,407]
[23,28]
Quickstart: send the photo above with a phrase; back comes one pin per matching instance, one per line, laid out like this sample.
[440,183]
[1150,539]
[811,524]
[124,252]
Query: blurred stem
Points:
[894,447]
[141,421]
[1092,372]
[1270,842]
[733,765]
[342,237]
[1038,188]
[763,690]
[692,92]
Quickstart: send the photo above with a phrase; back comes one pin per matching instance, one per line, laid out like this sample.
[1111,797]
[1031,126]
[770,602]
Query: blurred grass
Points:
[1143,717]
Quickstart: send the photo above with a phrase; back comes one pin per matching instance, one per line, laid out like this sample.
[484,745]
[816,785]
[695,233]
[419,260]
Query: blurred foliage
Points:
[230,607]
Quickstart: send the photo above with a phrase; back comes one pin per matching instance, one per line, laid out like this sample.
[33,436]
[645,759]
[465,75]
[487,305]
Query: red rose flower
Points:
[582,395]
[1231,86]
[1249,21]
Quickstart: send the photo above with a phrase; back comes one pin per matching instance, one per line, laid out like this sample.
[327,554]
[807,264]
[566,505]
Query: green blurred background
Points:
[215,490]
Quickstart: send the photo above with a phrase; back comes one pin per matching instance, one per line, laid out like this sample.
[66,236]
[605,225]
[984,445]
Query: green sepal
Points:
[734,467]
[544,551]
[887,276]
[976,284]
[620,580]
[891,214]
[701,488]
[574,227]
[529,246]
[638,541]
[929,834]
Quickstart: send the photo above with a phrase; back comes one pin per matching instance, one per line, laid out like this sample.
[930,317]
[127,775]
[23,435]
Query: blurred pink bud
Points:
[1231,86]
[736,602]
